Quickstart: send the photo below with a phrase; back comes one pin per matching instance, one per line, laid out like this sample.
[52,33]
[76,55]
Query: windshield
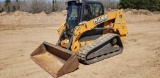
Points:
[72,17]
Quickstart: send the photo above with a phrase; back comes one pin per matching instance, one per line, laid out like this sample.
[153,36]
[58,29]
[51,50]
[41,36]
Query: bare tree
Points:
[17,4]
[1,7]
[58,5]
[25,6]
[7,5]
[36,6]
[110,3]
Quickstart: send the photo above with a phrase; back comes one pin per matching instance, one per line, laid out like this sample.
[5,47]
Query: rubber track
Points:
[87,48]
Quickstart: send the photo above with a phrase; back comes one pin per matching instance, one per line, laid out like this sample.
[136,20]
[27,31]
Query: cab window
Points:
[92,10]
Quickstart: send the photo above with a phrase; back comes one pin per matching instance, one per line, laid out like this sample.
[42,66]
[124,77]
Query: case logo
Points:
[100,19]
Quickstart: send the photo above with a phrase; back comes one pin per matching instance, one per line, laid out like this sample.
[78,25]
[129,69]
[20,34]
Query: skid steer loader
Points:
[88,36]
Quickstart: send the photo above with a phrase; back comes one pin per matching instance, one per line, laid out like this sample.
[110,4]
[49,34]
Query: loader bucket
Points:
[56,60]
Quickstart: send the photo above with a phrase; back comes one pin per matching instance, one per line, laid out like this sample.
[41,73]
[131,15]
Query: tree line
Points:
[36,6]
[152,5]
[33,6]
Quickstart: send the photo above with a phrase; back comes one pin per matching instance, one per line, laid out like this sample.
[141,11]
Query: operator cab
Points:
[82,11]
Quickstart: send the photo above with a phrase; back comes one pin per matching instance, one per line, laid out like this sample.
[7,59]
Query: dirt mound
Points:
[41,14]
[64,12]
[3,13]
[138,12]
[52,13]
[21,18]
[19,13]
[133,15]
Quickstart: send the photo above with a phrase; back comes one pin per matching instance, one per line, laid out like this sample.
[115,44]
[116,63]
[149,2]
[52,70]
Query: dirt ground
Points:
[21,36]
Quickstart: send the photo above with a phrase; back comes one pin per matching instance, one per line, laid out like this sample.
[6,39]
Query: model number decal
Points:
[120,22]
[100,19]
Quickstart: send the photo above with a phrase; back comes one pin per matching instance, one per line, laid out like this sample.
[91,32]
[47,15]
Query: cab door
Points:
[92,10]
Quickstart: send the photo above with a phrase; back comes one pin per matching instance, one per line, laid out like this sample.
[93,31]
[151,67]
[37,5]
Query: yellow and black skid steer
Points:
[88,36]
